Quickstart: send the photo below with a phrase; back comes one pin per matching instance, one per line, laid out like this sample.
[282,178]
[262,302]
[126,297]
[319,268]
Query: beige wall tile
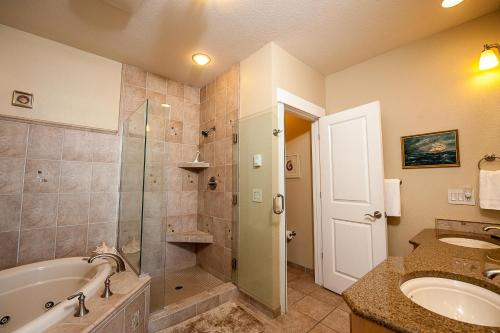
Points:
[191,135]
[11,175]
[133,97]
[156,128]
[45,142]
[192,94]
[220,153]
[13,139]
[179,256]
[105,177]
[75,177]
[173,178]
[174,132]
[175,89]
[174,203]
[153,181]
[156,83]
[39,210]
[8,248]
[77,146]
[176,109]
[103,207]
[73,209]
[100,232]
[105,148]
[203,94]
[189,202]
[42,176]
[191,113]
[71,241]
[189,181]
[189,222]
[134,75]
[189,152]
[173,153]
[153,204]
[10,208]
[36,245]
[114,325]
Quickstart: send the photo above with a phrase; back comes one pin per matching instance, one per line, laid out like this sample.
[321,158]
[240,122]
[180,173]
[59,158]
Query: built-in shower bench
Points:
[195,236]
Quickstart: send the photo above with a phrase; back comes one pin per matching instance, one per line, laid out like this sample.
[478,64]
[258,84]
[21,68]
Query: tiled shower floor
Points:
[193,280]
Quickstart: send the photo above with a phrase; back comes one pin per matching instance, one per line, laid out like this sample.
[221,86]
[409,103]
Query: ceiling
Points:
[161,35]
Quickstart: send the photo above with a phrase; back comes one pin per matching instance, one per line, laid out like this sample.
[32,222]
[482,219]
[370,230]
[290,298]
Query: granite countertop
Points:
[377,296]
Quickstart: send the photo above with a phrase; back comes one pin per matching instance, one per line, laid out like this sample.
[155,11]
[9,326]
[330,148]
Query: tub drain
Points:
[5,320]
[178,287]
[49,305]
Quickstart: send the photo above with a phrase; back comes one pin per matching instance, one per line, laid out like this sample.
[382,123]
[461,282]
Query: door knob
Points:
[376,215]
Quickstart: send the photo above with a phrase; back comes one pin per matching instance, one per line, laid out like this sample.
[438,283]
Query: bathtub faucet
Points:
[120,264]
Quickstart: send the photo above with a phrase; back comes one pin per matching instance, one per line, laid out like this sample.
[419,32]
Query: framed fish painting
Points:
[430,150]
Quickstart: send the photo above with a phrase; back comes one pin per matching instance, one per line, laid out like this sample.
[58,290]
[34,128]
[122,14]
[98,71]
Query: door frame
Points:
[312,112]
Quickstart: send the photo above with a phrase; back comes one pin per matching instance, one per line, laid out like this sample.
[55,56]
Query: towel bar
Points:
[487,158]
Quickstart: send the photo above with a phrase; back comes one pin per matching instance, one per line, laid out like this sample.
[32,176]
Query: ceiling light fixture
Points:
[450,3]
[201,59]
[489,57]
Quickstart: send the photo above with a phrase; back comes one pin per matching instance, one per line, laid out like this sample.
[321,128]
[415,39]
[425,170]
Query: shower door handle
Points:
[277,210]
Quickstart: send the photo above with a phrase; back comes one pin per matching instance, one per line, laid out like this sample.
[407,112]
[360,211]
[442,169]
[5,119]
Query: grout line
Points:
[22,195]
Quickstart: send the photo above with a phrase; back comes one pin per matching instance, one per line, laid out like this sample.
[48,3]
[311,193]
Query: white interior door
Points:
[352,195]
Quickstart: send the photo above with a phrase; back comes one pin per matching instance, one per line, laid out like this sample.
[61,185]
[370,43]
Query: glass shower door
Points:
[132,187]
[261,209]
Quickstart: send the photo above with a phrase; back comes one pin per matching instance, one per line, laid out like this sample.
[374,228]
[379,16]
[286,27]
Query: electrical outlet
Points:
[461,196]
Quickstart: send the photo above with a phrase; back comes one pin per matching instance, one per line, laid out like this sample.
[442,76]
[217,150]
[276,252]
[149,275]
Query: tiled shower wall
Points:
[220,108]
[172,138]
[58,191]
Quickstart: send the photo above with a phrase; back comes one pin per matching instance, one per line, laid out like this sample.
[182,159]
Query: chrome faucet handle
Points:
[490,227]
[107,293]
[491,274]
[82,309]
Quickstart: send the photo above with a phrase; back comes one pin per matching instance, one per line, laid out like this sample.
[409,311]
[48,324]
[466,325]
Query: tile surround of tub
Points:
[49,177]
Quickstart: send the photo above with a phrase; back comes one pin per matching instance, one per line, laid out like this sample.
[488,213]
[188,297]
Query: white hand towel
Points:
[392,197]
[489,189]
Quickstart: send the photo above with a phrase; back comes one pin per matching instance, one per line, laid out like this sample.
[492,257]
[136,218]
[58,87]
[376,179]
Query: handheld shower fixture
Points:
[206,132]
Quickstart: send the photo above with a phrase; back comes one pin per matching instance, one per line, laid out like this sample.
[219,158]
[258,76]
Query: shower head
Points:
[206,132]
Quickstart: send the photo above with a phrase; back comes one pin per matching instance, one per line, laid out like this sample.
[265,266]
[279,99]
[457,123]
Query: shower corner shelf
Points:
[195,236]
[194,165]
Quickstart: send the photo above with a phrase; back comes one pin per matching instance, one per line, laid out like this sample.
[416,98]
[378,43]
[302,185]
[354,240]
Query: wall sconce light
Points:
[489,57]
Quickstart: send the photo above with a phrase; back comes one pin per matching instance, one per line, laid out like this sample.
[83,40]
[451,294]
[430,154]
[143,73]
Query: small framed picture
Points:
[430,150]
[292,165]
[22,99]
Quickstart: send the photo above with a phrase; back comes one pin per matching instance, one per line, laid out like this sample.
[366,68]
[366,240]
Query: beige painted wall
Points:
[299,209]
[69,86]
[426,86]
[294,76]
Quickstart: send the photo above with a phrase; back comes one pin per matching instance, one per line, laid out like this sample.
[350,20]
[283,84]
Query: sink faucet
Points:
[492,227]
[120,264]
[491,273]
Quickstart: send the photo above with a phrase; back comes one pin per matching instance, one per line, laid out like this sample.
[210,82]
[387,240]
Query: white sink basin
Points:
[455,299]
[469,242]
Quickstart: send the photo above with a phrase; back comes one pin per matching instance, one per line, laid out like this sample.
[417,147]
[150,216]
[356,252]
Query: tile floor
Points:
[193,280]
[312,308]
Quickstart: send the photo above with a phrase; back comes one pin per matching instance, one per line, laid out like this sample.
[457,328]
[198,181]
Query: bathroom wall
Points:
[299,209]
[430,85]
[220,108]
[58,191]
[70,86]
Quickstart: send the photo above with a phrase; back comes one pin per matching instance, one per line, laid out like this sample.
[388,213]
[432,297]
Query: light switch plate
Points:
[257,195]
[457,197]
[257,160]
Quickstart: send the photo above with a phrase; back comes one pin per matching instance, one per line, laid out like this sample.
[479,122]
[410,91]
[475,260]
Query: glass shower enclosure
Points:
[141,219]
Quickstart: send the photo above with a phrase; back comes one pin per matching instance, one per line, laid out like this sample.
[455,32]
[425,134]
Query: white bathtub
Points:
[25,290]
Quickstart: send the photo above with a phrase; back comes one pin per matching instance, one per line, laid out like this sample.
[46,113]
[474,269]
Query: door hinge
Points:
[321,255]
[320,194]
[276,132]
[235,137]
[234,264]
[235,199]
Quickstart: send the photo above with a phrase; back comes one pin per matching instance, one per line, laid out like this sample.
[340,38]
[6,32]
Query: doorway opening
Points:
[299,203]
